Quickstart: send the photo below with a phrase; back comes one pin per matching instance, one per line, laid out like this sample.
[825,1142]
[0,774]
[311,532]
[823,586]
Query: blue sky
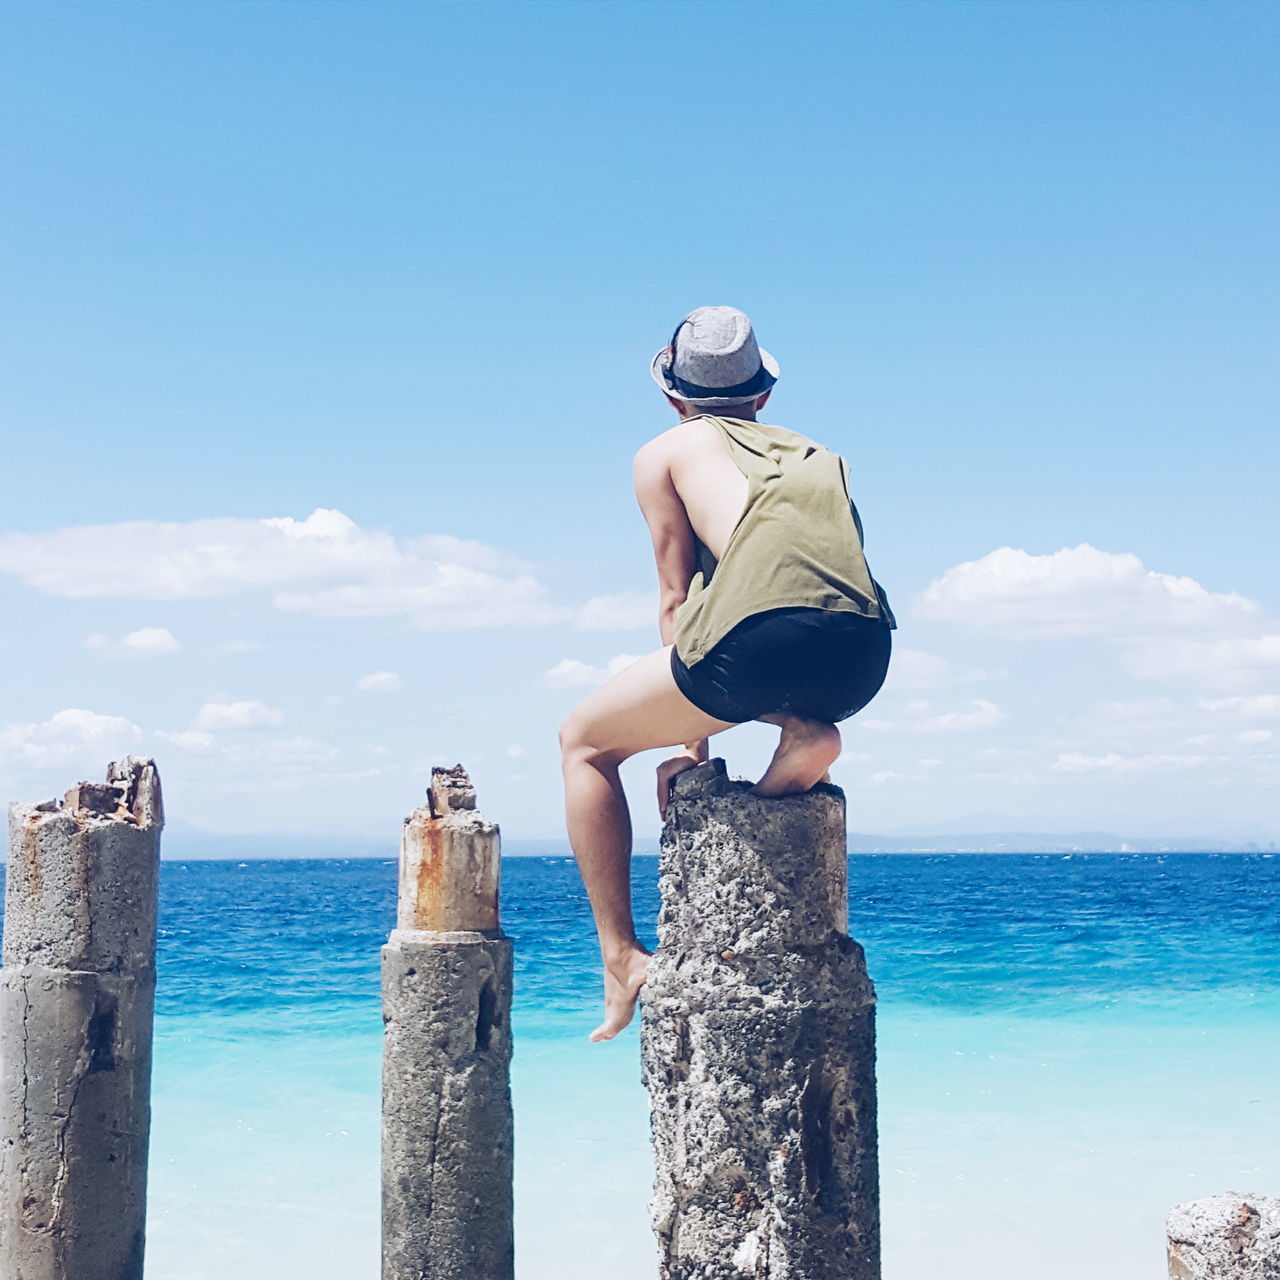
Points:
[404,266]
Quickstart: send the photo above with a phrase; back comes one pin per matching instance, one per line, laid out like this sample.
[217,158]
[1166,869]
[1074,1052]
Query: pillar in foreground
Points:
[758,1042]
[1228,1237]
[446,1092]
[76,1003]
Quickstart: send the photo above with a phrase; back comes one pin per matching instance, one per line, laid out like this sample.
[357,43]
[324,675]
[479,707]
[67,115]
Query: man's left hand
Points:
[694,754]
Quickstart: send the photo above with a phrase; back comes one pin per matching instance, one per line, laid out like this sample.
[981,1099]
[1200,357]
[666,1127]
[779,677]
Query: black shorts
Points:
[821,664]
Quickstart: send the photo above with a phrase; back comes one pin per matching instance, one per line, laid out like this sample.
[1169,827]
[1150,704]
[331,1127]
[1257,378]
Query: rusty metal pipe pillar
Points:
[76,1003]
[447,1131]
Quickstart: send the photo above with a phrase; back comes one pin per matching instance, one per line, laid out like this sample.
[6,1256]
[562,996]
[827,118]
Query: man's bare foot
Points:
[806,750]
[623,979]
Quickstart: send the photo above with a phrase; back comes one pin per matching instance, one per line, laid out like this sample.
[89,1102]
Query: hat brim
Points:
[659,369]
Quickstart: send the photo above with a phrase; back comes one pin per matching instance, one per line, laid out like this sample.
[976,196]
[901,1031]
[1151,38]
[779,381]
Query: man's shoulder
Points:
[789,434]
[675,440]
[656,444]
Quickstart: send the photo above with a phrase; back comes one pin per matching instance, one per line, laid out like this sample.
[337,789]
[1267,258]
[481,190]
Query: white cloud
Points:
[284,753]
[172,560]
[1134,709]
[197,741]
[915,669]
[455,598]
[221,713]
[262,760]
[71,737]
[626,611]
[853,757]
[515,751]
[1113,762]
[881,776]
[1075,591]
[920,715]
[151,641]
[323,566]
[569,673]
[1250,737]
[981,714]
[146,642]
[380,682]
[1233,662]
[1253,705]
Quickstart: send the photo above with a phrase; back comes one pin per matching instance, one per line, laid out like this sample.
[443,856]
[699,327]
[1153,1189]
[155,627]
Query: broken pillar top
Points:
[449,860]
[748,873]
[711,778]
[131,793]
[451,790]
[1234,1234]
[80,889]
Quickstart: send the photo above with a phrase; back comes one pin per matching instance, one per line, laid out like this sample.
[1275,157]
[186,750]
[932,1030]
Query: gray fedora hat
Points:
[713,359]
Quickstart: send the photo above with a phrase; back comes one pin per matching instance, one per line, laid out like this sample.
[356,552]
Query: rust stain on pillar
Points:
[447,1134]
[448,860]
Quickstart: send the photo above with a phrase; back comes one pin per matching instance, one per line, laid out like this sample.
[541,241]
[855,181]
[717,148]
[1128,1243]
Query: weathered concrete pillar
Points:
[446,1091]
[1228,1237]
[758,1042]
[76,1002]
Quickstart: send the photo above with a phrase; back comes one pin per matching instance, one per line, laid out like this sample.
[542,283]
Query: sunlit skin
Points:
[686,483]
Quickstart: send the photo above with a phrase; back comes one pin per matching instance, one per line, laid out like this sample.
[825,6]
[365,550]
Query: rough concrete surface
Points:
[76,1001]
[1234,1236]
[758,1042]
[447,1123]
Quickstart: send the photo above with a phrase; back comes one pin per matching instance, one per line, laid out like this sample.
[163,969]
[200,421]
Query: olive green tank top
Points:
[798,541]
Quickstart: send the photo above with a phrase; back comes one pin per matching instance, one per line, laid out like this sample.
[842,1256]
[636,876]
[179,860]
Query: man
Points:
[767,611]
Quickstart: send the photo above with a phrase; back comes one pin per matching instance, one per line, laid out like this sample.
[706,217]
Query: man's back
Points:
[771,507]
[712,491]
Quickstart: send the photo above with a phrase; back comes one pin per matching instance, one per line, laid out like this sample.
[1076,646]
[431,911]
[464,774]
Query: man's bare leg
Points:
[599,824]
[806,750]
[640,708]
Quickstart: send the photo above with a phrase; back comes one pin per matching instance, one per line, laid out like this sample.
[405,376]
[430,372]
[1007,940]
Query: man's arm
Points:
[674,553]
[669,527]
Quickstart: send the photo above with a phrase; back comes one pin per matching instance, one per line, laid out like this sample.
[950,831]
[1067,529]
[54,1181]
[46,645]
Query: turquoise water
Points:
[1067,1047]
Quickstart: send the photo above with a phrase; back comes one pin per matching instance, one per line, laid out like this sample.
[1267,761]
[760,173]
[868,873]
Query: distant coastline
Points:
[1039,842]
[188,845]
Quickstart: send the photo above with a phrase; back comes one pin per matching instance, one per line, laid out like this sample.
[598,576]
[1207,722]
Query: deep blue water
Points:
[1061,1040]
[1035,932]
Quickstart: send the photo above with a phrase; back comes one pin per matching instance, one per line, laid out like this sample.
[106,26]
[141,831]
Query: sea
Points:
[1067,1046]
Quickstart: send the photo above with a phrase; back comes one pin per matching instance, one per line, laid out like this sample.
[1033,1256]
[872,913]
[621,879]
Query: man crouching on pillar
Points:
[767,611]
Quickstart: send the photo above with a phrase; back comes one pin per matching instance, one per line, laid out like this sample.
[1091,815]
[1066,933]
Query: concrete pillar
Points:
[1228,1237]
[758,1042]
[446,1090]
[76,1001]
